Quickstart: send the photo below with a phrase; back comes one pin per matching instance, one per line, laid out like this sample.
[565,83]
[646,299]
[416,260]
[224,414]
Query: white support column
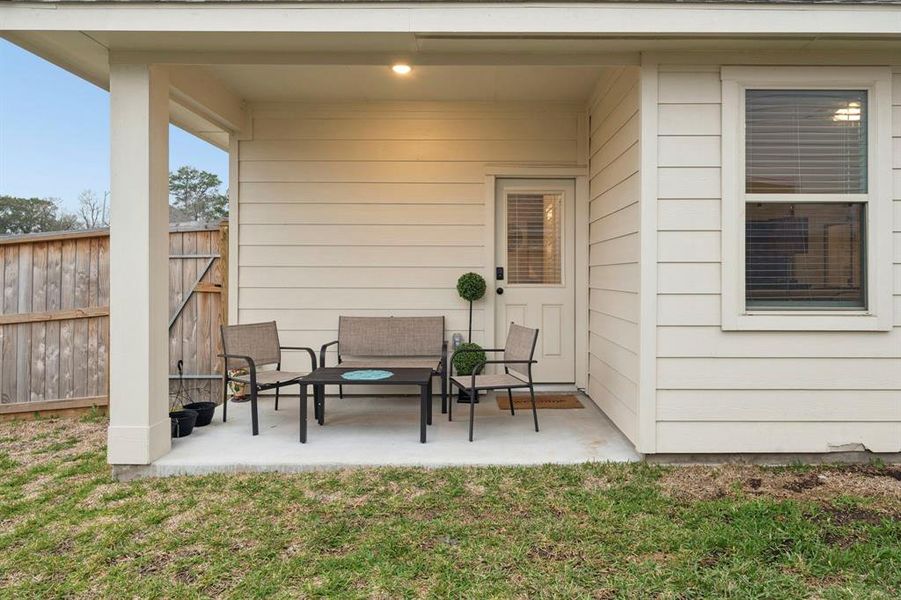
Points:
[139,279]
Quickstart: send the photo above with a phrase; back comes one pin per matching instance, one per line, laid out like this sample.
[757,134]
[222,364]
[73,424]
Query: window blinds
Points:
[534,227]
[806,141]
[805,255]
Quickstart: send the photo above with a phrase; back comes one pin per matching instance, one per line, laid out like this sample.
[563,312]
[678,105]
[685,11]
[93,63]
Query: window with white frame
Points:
[801,191]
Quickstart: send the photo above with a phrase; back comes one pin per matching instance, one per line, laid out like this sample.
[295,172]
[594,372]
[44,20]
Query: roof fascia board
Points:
[684,19]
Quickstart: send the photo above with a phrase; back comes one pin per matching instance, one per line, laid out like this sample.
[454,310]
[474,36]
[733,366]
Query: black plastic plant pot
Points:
[184,422]
[463,397]
[204,410]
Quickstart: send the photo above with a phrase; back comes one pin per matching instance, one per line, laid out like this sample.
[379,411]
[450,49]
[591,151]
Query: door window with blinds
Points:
[534,238]
[806,173]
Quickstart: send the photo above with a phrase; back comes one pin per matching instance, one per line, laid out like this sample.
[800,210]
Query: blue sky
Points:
[54,132]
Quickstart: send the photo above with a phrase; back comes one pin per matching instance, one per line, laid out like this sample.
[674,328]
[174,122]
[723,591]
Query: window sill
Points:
[807,321]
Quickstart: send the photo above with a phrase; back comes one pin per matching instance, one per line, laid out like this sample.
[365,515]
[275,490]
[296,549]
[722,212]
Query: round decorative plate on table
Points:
[366,375]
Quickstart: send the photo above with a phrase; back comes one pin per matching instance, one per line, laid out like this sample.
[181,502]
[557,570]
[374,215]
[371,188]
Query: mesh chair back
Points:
[390,336]
[520,346]
[256,340]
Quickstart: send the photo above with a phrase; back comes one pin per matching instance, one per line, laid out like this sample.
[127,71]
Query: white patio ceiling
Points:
[277,83]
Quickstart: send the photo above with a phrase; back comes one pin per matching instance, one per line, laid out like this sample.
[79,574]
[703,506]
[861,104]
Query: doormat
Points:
[524,401]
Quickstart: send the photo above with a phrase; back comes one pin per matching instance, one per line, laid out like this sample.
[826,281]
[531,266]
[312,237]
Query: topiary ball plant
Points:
[465,362]
[471,286]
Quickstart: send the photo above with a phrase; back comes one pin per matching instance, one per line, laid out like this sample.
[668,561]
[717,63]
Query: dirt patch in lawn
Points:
[881,485]
[30,443]
[849,515]
[840,523]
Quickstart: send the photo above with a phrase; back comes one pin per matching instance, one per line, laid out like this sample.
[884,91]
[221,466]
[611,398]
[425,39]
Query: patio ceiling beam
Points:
[176,57]
[190,121]
[198,91]
[551,17]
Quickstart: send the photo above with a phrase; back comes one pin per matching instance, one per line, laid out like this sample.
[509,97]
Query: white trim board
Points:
[234,227]
[647,323]
[614,18]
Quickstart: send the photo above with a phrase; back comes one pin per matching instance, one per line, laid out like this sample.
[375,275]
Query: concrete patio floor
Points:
[383,431]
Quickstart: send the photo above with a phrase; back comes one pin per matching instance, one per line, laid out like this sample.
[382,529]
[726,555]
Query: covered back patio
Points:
[357,190]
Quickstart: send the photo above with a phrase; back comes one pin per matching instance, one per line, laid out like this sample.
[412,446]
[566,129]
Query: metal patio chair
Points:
[252,346]
[519,351]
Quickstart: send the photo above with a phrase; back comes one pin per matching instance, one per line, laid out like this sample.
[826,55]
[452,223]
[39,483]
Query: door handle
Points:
[500,291]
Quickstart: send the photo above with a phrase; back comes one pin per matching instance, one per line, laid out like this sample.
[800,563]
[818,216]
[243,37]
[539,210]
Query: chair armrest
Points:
[308,350]
[322,352]
[464,350]
[482,364]
[509,362]
[478,368]
[251,366]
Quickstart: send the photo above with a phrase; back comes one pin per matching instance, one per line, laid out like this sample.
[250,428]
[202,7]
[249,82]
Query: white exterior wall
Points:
[731,391]
[377,209]
[614,248]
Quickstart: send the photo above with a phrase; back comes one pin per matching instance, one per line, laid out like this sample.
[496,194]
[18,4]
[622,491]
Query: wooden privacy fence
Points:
[54,316]
[198,305]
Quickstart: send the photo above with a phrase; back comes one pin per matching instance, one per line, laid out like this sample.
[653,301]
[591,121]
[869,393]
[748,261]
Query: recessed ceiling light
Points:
[402,69]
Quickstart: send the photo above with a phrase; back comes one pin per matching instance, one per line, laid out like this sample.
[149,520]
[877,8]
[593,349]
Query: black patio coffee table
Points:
[333,376]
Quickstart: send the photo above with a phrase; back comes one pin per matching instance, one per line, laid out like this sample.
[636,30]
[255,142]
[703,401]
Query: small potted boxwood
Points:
[465,363]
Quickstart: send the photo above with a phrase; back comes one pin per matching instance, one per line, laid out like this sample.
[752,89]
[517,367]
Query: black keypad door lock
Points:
[499,273]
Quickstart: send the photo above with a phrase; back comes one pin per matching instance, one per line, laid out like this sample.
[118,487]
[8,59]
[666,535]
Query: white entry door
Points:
[535,254]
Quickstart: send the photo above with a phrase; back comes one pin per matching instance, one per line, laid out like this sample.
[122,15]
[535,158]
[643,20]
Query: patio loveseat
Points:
[392,342]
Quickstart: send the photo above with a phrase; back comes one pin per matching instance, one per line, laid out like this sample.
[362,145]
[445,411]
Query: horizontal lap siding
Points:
[754,391]
[614,248]
[376,209]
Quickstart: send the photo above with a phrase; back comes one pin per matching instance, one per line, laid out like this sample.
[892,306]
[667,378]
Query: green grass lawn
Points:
[589,531]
